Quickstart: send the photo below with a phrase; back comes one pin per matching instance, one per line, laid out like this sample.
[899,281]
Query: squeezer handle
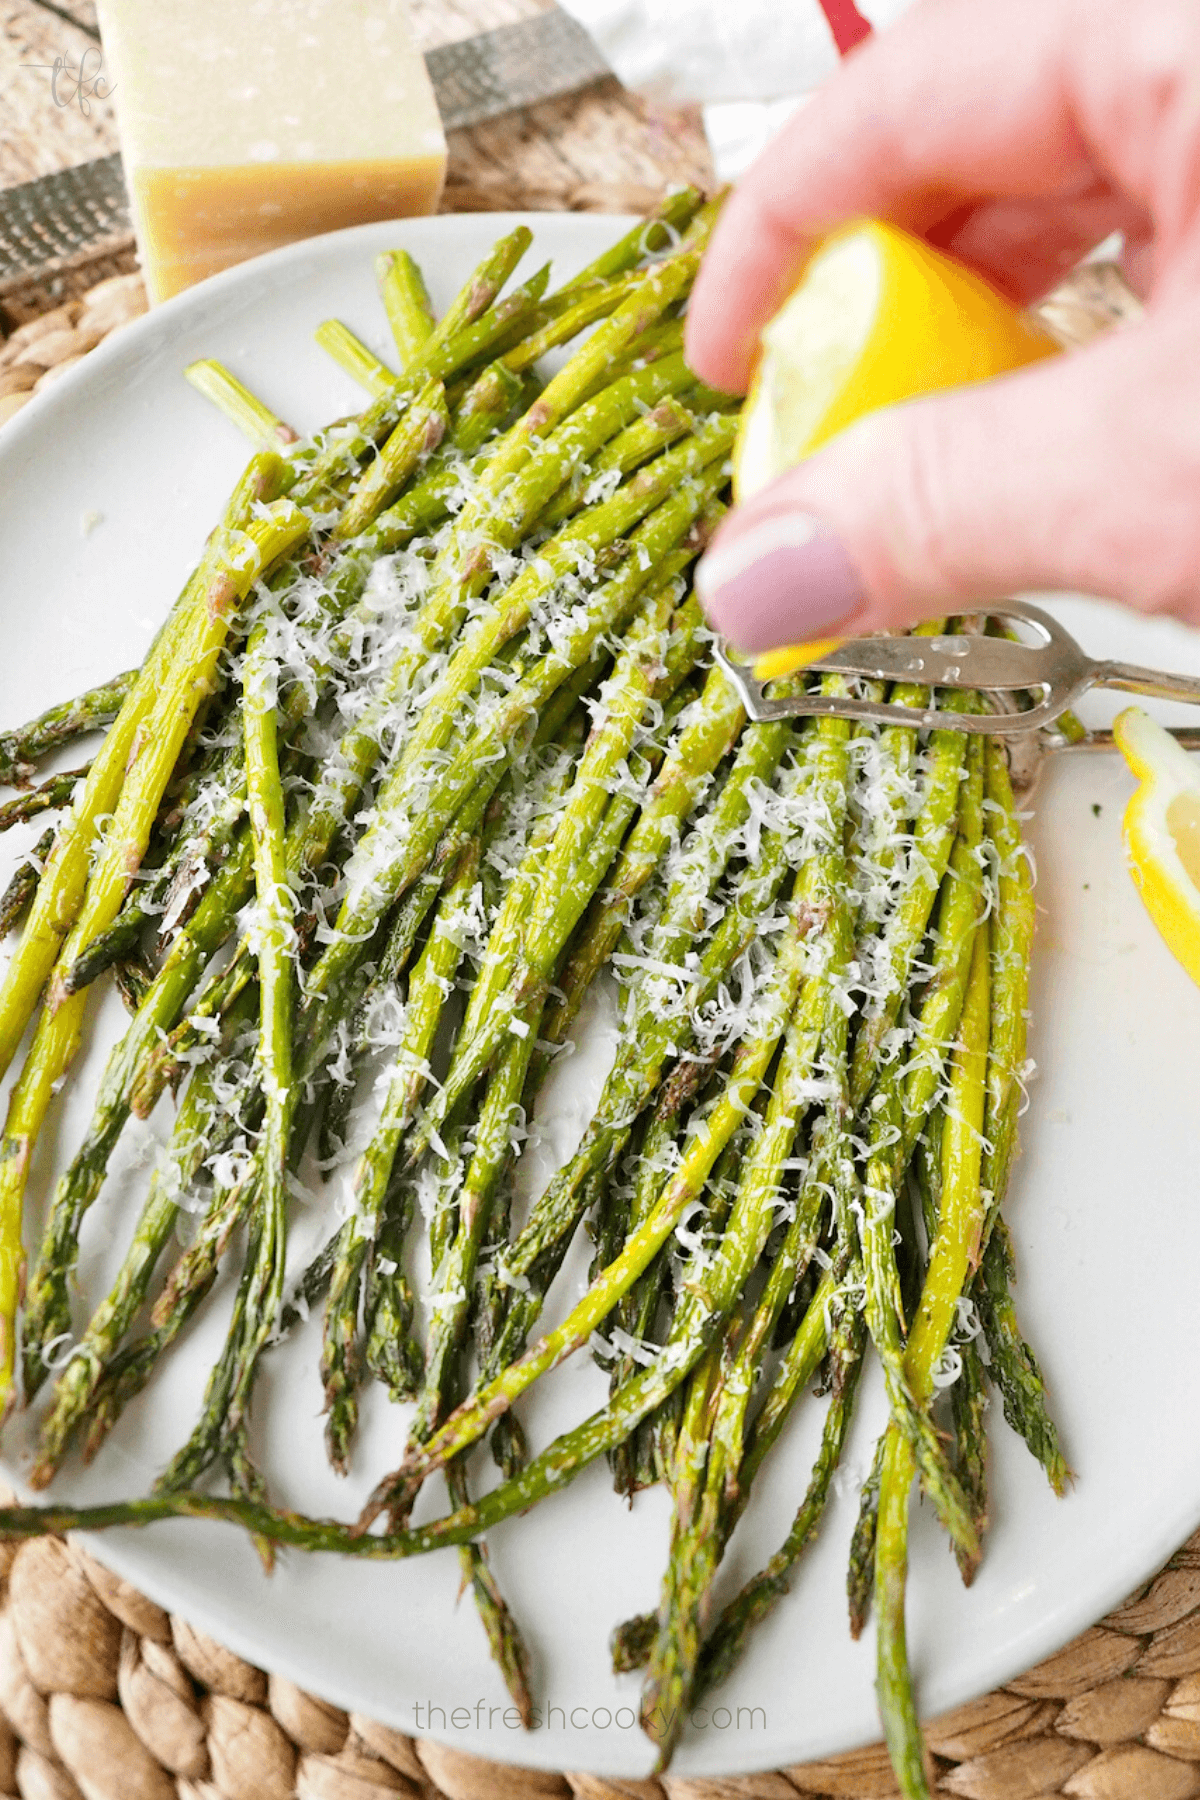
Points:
[1156,684]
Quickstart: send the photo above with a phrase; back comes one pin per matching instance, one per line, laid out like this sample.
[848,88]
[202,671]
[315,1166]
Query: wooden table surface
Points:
[601,150]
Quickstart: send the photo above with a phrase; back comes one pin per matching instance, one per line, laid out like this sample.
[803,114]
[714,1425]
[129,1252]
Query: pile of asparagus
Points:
[431,742]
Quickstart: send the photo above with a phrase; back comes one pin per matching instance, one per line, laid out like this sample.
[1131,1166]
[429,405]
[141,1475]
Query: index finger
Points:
[957,102]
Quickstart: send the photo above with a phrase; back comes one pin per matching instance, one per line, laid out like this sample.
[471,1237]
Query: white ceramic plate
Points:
[108,484]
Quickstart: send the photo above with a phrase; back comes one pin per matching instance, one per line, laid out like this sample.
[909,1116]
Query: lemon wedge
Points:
[877,318]
[1162,832]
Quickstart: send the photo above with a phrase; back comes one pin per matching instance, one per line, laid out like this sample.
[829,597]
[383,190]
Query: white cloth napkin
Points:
[750,62]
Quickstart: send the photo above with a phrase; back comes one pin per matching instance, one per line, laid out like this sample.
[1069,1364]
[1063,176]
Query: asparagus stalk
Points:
[419,431]
[884,1314]
[969,1399]
[184,683]
[411,813]
[53,793]
[21,750]
[134,977]
[650,238]
[47,1307]
[1013,1366]
[274,936]
[509,1652]
[406,303]
[93,1356]
[751,1061]
[432,979]
[253,418]
[724,1645]
[1012,944]
[952,1255]
[933,841]
[481,289]
[444,354]
[860,1574]
[60,892]
[351,354]
[18,896]
[391,1353]
[559,886]
[960,908]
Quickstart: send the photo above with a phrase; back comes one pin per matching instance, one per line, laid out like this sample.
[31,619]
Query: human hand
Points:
[1016,137]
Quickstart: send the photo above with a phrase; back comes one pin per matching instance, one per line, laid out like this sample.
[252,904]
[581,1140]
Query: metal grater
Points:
[516,65]
[49,224]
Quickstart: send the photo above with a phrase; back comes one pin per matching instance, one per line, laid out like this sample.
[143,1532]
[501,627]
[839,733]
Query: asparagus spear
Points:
[449,349]
[419,431]
[93,1355]
[53,793]
[18,895]
[273,935]
[960,908]
[860,1574]
[723,1647]
[351,354]
[47,1309]
[751,1061]
[1012,944]
[951,1256]
[391,1353]
[409,816]
[61,890]
[884,1314]
[562,885]
[253,418]
[21,750]
[933,841]
[202,632]
[406,302]
[1013,1366]
[196,1270]
[509,1652]
[969,1400]
[649,238]
[479,292]
[432,978]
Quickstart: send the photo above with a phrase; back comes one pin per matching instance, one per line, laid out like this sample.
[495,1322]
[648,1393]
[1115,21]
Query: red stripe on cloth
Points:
[846,23]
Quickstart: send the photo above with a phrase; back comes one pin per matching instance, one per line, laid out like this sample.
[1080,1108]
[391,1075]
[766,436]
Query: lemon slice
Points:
[878,317]
[1162,832]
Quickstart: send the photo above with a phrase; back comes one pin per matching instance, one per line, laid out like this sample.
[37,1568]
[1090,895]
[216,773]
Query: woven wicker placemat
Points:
[103,1696]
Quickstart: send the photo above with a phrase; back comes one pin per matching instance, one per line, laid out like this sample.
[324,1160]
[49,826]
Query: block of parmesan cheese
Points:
[246,124]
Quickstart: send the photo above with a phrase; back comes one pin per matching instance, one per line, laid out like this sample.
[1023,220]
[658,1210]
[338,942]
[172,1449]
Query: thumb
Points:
[1079,474]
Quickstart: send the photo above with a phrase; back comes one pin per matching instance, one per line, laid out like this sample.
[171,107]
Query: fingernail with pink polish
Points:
[782,582]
